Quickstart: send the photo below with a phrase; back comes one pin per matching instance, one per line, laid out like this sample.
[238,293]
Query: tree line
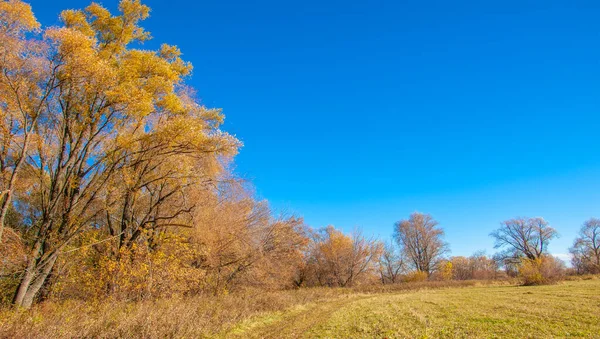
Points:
[116,182]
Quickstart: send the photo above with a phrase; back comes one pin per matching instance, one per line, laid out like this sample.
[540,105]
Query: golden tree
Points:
[99,127]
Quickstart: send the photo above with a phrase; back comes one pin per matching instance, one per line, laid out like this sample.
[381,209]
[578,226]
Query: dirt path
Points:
[295,322]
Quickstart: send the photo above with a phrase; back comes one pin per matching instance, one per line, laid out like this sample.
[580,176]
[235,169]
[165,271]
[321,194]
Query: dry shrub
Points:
[582,277]
[416,276]
[543,270]
[445,272]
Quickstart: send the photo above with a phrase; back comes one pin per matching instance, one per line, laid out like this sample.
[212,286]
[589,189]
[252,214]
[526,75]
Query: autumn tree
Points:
[113,120]
[337,259]
[421,241]
[462,268]
[524,244]
[482,266]
[242,243]
[148,193]
[586,248]
[523,237]
[477,266]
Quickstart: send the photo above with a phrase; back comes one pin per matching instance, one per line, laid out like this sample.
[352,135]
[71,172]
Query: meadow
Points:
[468,309]
[123,213]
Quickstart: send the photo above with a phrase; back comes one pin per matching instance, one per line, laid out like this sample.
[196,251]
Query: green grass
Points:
[569,309]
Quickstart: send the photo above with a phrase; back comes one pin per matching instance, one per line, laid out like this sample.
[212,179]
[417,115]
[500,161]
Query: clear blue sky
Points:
[357,113]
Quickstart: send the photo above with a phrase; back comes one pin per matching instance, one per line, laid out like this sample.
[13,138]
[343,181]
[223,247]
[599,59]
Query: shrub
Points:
[415,276]
[543,270]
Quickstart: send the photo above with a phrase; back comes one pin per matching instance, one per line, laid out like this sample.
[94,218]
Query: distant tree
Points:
[391,264]
[421,241]
[482,266]
[337,259]
[523,237]
[586,248]
[477,266]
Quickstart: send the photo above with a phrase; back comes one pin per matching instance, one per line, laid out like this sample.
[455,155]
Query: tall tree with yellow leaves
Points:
[112,115]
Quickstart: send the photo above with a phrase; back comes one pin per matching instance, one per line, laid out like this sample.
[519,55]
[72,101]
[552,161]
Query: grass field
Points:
[567,309]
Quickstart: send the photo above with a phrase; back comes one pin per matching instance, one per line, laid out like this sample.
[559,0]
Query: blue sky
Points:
[357,113]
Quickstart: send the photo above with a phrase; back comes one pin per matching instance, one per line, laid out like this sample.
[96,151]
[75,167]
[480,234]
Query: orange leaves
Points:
[336,259]
[336,245]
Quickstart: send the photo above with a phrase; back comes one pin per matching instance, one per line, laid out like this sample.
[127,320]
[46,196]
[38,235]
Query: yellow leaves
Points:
[171,103]
[416,276]
[81,65]
[16,17]
[172,54]
[116,32]
[169,52]
[133,11]
[447,271]
[76,19]
[136,272]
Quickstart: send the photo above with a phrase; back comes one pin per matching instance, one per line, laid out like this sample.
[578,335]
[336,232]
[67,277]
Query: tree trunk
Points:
[37,284]
[5,203]
[35,275]
[11,184]
[29,274]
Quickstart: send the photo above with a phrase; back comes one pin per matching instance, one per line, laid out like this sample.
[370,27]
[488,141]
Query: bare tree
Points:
[523,237]
[421,241]
[391,264]
[586,248]
[477,266]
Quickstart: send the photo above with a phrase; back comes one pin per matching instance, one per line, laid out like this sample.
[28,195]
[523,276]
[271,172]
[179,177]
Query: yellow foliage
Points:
[447,271]
[416,276]
[18,17]
[135,272]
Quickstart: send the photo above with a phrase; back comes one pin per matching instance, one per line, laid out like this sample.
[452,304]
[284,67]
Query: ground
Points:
[453,309]
[568,309]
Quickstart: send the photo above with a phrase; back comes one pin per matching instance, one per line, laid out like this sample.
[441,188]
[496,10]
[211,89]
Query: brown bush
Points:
[416,276]
[543,270]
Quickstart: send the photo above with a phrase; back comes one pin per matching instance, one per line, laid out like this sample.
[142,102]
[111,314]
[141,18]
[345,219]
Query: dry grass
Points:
[428,309]
[193,317]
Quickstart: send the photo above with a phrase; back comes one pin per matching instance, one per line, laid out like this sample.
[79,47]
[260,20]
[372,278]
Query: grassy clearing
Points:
[569,309]
[438,310]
